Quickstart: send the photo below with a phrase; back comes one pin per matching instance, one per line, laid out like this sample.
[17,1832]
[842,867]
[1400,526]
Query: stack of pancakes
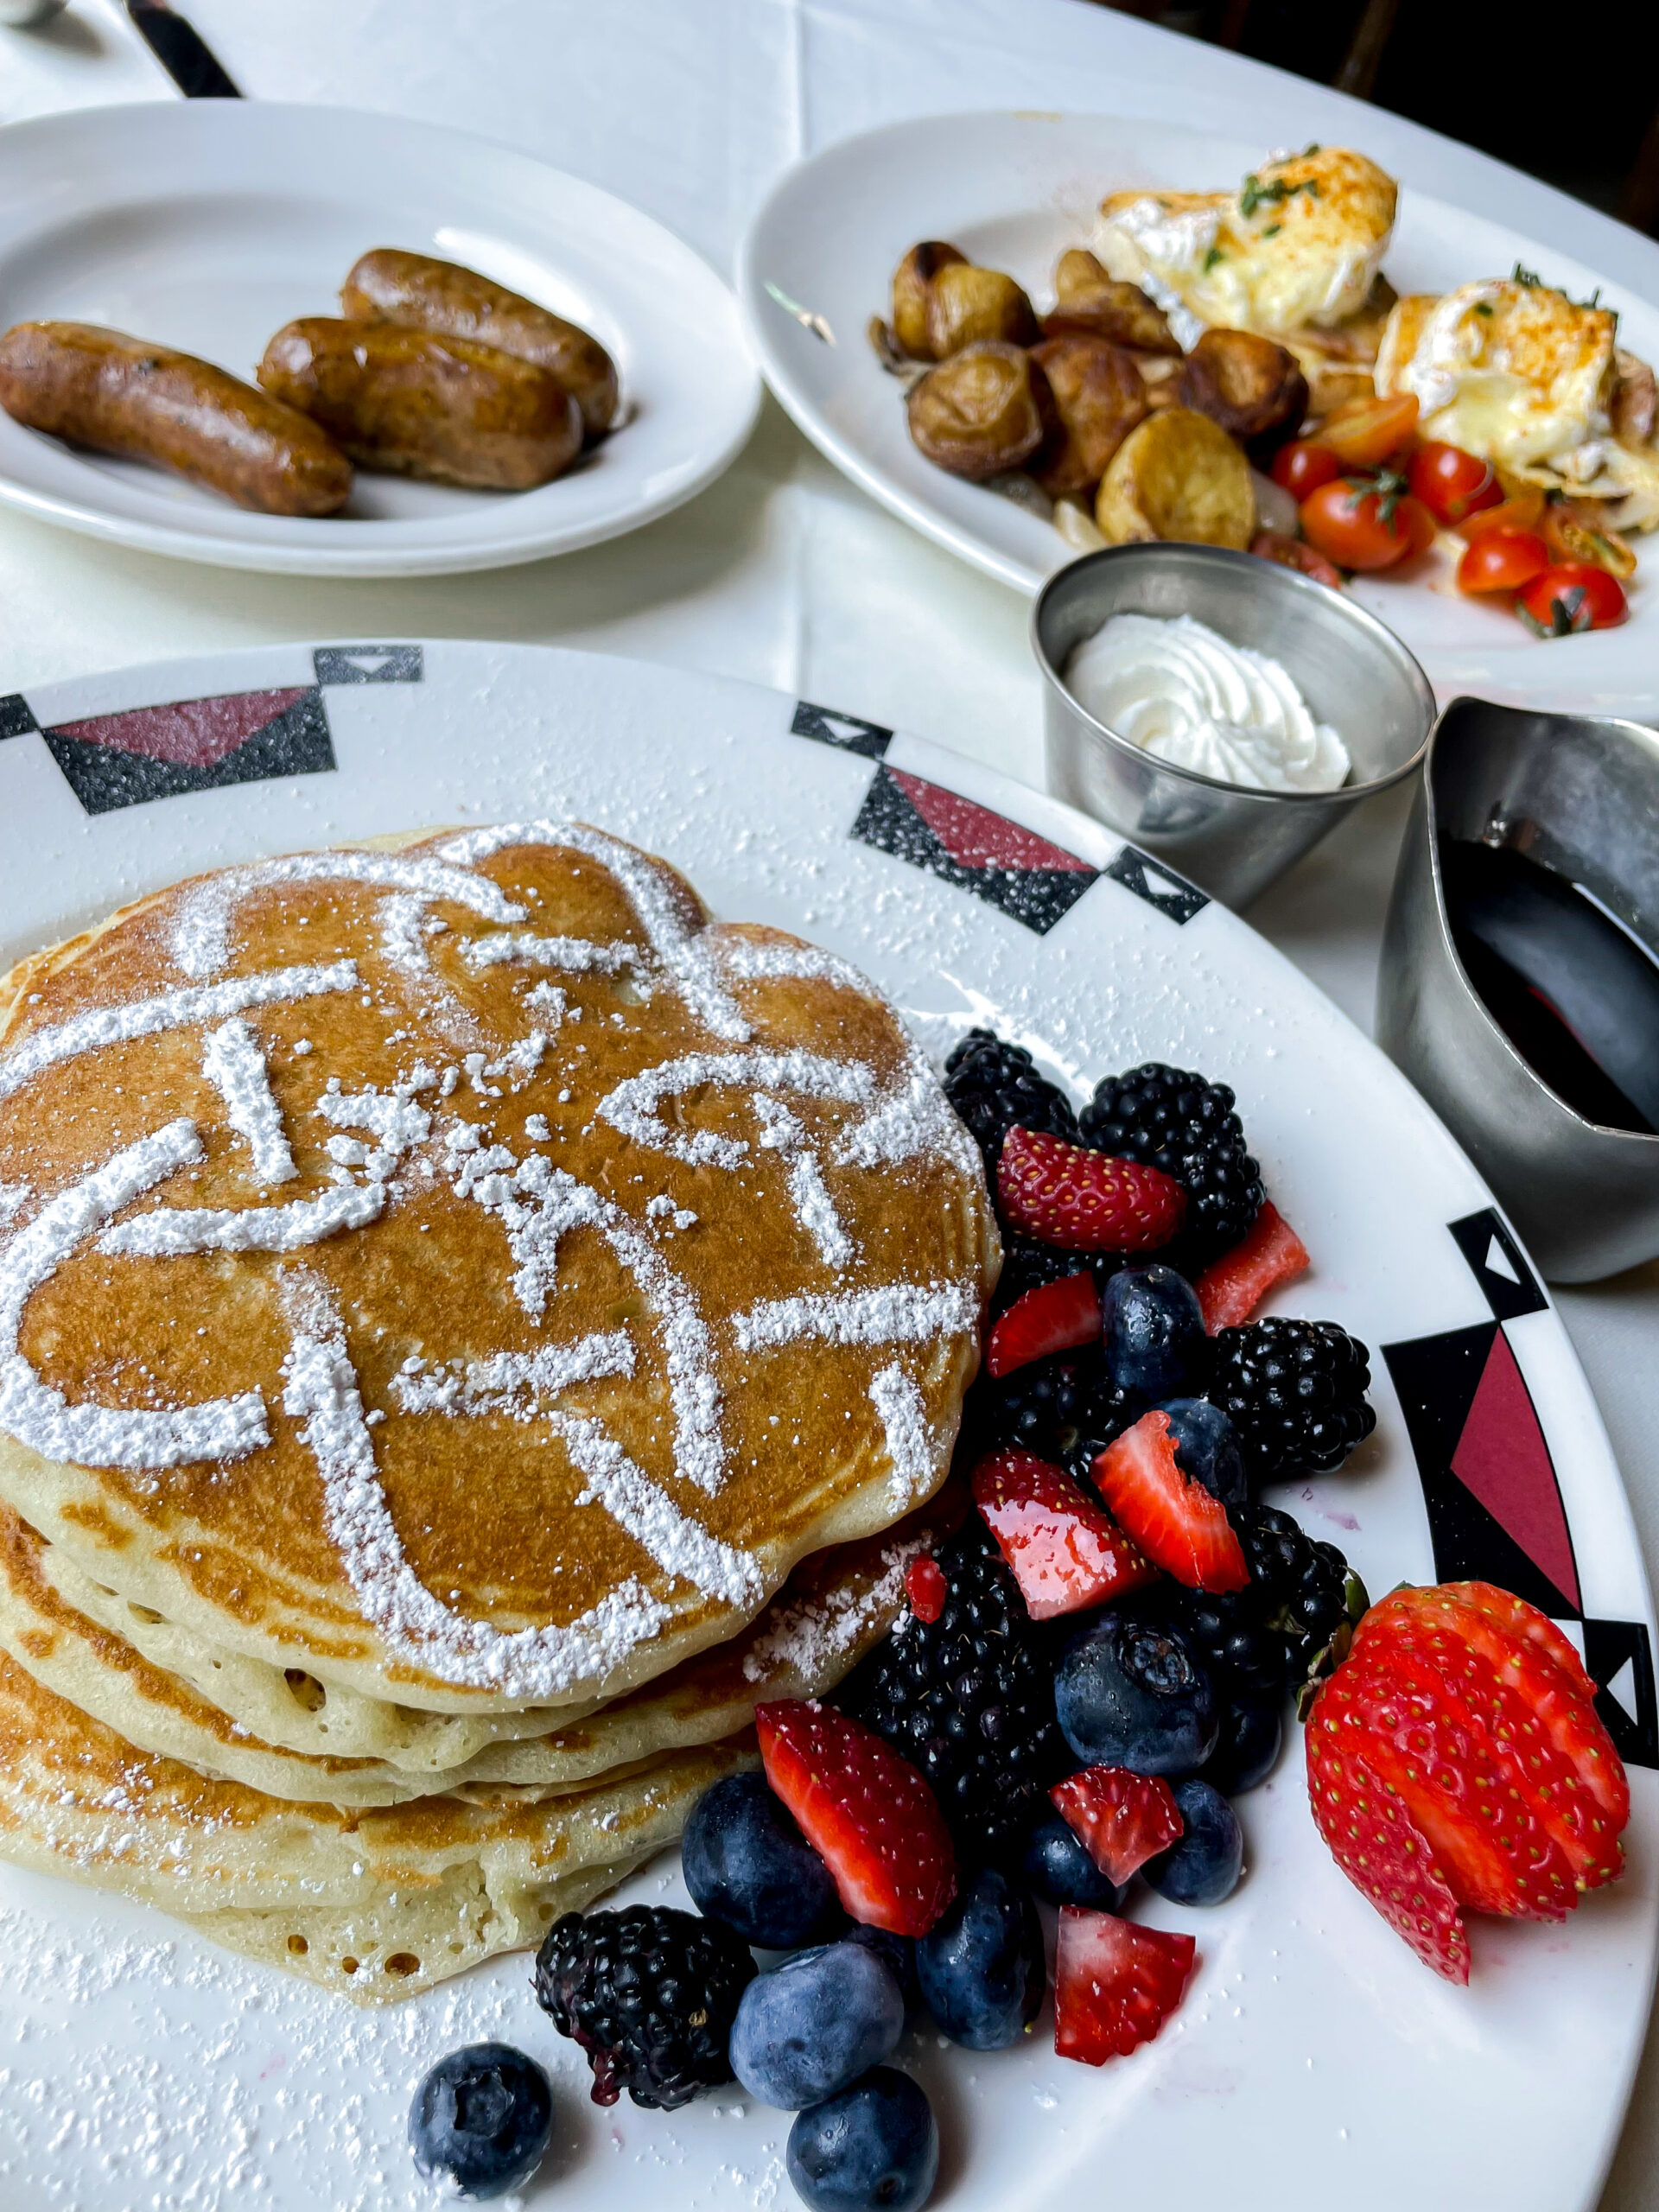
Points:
[470,1329]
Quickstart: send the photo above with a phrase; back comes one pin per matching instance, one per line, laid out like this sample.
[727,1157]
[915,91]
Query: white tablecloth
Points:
[782,573]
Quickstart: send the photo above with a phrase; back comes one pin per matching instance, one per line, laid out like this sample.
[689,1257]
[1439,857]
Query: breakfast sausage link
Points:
[122,394]
[411,404]
[421,294]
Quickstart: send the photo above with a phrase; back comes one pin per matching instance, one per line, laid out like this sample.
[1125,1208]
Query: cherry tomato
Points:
[1451,483]
[1571,535]
[1291,553]
[1502,560]
[1362,524]
[1572,595]
[1301,467]
[1525,511]
[1364,432]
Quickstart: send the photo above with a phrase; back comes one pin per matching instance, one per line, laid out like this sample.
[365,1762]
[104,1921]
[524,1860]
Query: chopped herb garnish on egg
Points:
[1211,258]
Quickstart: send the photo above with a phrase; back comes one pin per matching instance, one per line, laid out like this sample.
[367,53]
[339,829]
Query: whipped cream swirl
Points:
[1183,693]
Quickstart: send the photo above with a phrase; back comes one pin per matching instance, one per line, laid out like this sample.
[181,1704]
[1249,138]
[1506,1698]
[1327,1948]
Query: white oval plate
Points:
[1013,190]
[1314,2061]
[208,224]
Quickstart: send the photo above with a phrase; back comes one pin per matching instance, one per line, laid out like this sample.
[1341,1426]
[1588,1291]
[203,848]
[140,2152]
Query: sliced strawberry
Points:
[1535,1772]
[1120,1819]
[1177,1523]
[1231,1287]
[1114,1984]
[867,1813]
[1055,1317]
[1084,1201]
[927,1588]
[1470,1797]
[1063,1551]
[1376,1843]
[1512,1677]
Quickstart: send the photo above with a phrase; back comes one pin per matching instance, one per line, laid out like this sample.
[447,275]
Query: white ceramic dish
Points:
[208,224]
[1013,190]
[1314,2061]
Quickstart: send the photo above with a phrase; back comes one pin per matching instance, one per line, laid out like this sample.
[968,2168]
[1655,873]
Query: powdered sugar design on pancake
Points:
[168,1233]
[809,1193]
[200,940]
[97,1435]
[320,1390]
[686,961]
[122,1024]
[233,1063]
[900,1312]
[911,1448]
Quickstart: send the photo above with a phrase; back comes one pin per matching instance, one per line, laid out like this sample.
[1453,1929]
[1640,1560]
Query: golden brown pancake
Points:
[831,1611]
[377,1904]
[460,1271]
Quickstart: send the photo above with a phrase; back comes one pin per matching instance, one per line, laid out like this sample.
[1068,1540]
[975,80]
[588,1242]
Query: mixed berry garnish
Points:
[1086,1674]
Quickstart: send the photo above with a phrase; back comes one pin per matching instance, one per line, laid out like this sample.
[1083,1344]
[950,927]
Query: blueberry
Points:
[1207,1448]
[745,1863]
[1204,1867]
[1252,1732]
[981,1967]
[1058,1868]
[824,2018]
[1131,1692]
[1153,1330]
[899,1951]
[874,2145]
[481,2121]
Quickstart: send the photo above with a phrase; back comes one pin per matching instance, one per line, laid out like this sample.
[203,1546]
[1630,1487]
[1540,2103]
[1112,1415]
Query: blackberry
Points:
[1065,1407]
[1166,1117]
[1301,1585]
[969,1699]
[1260,1641]
[1241,1653]
[1295,1392]
[995,1088]
[649,1994]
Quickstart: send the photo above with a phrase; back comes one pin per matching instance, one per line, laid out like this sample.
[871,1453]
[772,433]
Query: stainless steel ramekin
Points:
[1353,673]
[1580,794]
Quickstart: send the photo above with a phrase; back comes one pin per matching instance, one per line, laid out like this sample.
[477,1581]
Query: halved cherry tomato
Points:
[1291,553]
[1364,432]
[1302,466]
[1523,509]
[1451,483]
[1573,596]
[1572,536]
[1502,560]
[1363,524]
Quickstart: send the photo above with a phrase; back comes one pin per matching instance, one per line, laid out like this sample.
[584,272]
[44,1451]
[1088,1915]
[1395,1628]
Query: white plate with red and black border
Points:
[1313,2061]
[1013,190]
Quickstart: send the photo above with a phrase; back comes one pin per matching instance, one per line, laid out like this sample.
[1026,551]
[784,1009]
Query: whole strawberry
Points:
[1456,1762]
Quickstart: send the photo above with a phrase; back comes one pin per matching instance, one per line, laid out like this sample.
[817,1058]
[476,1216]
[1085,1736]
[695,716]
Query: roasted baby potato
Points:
[1099,397]
[1247,384]
[913,288]
[1178,475]
[115,394]
[411,403]
[418,293]
[967,305]
[1090,302]
[986,410]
